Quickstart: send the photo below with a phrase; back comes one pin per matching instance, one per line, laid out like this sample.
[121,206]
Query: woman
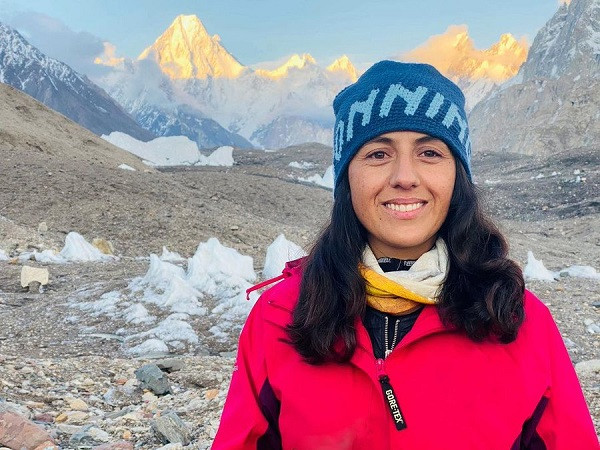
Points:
[406,326]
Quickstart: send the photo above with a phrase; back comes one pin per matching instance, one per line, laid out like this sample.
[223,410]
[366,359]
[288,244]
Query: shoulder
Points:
[536,312]
[285,293]
[539,328]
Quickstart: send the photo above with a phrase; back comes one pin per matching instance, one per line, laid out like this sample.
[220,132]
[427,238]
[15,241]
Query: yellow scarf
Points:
[388,296]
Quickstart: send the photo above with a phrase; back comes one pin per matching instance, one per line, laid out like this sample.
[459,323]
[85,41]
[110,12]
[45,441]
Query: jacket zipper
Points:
[389,396]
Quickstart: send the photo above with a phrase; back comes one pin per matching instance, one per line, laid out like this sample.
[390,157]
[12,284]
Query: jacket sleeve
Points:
[565,422]
[242,421]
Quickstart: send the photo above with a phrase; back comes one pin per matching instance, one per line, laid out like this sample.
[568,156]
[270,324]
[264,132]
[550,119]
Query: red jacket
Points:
[451,392]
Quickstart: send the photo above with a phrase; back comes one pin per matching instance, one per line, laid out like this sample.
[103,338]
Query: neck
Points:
[406,253]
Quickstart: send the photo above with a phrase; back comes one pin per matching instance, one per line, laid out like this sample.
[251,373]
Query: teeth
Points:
[404,208]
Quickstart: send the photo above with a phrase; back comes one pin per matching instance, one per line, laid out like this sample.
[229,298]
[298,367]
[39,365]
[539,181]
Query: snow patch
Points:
[580,272]
[170,151]
[223,273]
[304,165]
[126,167]
[535,269]
[215,270]
[76,249]
[278,253]
[148,347]
[325,181]
[166,255]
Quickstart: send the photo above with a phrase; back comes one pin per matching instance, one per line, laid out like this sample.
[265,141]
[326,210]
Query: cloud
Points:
[55,39]
[108,56]
[454,54]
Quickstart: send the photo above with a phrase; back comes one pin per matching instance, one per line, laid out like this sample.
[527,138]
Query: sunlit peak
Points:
[295,61]
[186,50]
[345,66]
[454,54]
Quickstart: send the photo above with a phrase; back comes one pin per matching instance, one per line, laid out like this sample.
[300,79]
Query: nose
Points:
[404,173]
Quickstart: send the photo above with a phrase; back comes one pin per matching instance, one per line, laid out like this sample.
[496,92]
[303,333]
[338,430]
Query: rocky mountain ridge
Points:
[553,104]
[55,84]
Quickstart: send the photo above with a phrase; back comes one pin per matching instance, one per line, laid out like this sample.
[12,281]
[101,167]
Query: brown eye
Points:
[429,153]
[378,154]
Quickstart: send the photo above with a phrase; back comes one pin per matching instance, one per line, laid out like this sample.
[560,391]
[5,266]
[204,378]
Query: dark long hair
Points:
[482,293]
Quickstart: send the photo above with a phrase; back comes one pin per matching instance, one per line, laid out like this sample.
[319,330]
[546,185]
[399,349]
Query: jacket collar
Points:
[282,303]
[427,324]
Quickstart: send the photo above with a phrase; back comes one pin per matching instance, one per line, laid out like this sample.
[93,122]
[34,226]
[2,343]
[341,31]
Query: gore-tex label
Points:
[390,398]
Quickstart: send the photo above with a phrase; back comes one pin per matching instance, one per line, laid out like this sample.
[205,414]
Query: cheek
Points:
[446,195]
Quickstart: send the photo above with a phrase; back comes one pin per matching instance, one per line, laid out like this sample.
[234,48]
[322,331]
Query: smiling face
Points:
[401,184]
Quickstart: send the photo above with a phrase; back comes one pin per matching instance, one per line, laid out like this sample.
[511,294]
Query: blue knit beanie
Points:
[394,96]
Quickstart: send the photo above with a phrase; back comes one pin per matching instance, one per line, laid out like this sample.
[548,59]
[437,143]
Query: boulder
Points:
[31,275]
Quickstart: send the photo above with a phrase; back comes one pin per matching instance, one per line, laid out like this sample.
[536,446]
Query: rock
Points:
[77,404]
[17,432]
[15,408]
[169,428]
[72,417]
[104,246]
[569,343]
[234,228]
[176,446]
[89,435]
[122,396]
[593,328]
[42,227]
[148,397]
[154,379]
[170,364]
[588,367]
[44,418]
[30,274]
[120,445]
[48,445]
[211,394]
[596,304]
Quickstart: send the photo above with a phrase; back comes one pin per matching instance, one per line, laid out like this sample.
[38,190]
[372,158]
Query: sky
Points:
[256,31]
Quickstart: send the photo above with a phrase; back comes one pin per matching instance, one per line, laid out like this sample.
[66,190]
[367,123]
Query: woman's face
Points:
[401,184]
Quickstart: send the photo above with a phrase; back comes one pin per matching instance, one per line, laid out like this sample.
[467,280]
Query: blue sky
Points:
[266,30]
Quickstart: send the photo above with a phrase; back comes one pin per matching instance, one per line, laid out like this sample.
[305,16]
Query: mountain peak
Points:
[345,66]
[191,24]
[569,43]
[186,50]
[295,61]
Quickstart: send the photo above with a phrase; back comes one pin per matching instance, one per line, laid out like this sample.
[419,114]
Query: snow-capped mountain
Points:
[552,104]
[186,78]
[478,76]
[56,85]
[186,50]
[154,100]
[476,71]
[344,66]
[294,62]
